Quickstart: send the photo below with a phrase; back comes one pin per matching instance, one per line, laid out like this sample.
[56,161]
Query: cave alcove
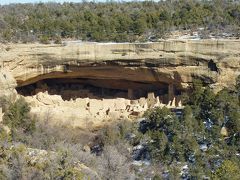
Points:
[73,88]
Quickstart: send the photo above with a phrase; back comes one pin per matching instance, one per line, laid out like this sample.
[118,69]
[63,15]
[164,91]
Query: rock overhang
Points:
[172,61]
[151,67]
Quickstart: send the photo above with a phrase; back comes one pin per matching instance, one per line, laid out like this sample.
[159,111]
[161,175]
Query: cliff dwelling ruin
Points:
[98,98]
[73,88]
[100,82]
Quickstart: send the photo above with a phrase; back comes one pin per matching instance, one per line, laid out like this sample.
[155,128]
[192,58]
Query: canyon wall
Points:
[134,68]
[167,61]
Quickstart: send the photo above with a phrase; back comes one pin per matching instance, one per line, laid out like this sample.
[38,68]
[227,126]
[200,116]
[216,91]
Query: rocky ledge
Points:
[130,71]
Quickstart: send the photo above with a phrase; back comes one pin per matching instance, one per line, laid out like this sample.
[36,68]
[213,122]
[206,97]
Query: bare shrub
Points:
[114,165]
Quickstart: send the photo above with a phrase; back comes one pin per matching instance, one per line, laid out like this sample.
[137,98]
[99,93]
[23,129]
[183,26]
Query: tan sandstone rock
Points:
[160,64]
[1,115]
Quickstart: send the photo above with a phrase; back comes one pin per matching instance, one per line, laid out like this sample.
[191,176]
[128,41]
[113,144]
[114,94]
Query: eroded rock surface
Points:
[215,61]
[89,80]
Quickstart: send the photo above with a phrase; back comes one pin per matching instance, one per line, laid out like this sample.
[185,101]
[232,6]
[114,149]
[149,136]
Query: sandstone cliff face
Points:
[168,61]
[7,83]
[143,67]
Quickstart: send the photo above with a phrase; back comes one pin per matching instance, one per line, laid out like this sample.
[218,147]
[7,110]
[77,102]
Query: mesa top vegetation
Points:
[115,21]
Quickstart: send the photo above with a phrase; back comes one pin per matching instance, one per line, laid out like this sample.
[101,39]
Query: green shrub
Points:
[17,116]
[228,170]
[58,40]
[44,39]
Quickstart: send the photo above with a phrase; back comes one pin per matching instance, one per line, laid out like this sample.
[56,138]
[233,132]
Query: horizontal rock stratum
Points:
[169,61]
[131,68]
